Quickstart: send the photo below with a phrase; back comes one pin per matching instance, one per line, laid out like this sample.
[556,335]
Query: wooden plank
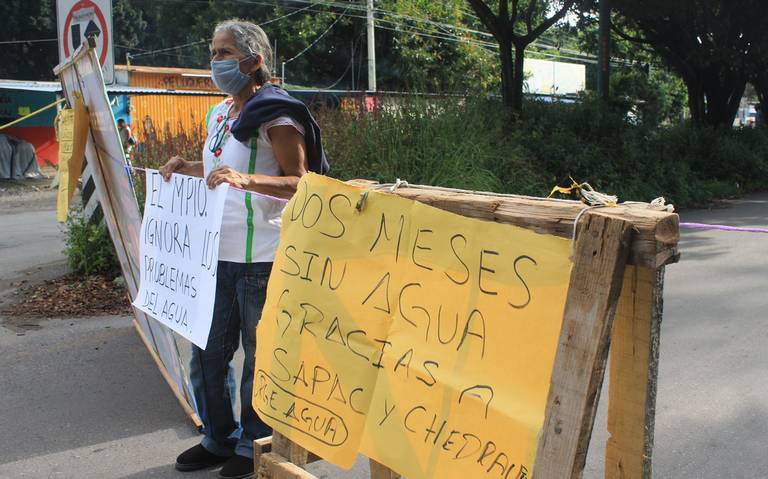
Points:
[291,451]
[261,447]
[599,260]
[380,471]
[179,397]
[275,466]
[654,244]
[633,374]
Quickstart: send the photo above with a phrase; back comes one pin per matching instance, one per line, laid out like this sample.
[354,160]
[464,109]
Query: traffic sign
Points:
[80,19]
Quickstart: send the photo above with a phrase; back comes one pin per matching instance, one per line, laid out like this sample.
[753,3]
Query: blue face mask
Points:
[227,76]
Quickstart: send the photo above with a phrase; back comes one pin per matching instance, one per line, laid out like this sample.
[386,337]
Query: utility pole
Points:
[371,49]
[604,46]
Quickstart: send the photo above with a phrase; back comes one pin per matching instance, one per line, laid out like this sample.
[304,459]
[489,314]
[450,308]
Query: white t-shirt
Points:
[250,227]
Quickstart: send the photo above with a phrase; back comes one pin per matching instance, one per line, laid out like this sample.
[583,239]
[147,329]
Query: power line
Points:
[153,52]
[285,16]
[316,40]
[386,17]
[349,65]
[312,4]
[574,54]
[39,40]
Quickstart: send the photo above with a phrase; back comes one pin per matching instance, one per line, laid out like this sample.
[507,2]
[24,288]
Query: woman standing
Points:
[268,155]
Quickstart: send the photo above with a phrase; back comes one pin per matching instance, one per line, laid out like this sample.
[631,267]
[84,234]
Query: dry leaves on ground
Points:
[70,296]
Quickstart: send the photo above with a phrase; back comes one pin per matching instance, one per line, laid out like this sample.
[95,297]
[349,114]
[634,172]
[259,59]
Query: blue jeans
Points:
[241,289]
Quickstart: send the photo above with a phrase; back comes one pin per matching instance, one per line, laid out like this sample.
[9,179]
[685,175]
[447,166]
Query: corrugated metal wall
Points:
[171,113]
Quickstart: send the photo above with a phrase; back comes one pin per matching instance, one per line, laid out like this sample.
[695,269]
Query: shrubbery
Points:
[475,144]
[88,246]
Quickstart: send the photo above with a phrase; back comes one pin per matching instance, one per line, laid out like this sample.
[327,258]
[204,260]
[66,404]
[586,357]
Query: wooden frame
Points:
[619,259]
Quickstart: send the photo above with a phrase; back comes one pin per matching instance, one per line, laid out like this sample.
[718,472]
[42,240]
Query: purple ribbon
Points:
[704,226]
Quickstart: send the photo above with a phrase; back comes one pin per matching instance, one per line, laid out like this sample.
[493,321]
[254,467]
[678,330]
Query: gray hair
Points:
[251,40]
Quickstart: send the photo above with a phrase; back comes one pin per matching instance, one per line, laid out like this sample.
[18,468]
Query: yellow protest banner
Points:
[72,133]
[423,339]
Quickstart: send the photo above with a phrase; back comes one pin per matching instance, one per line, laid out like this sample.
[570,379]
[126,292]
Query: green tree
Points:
[707,42]
[27,20]
[655,95]
[432,47]
[129,26]
[516,25]
[644,83]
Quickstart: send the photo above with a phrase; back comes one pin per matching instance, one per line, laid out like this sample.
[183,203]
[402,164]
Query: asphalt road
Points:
[81,398]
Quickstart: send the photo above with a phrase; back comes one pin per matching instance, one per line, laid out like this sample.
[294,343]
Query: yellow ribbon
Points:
[587,194]
[565,190]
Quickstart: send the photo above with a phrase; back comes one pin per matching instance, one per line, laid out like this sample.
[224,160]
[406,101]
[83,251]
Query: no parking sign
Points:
[80,19]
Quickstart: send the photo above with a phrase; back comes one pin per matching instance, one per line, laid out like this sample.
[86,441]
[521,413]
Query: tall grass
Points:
[476,144]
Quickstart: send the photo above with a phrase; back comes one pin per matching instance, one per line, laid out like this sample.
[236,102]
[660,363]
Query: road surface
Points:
[81,398]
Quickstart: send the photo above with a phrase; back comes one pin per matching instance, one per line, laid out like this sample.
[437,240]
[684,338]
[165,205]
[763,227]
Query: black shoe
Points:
[237,467]
[196,458]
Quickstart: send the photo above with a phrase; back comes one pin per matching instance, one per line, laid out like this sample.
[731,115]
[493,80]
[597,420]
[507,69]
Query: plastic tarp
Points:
[17,159]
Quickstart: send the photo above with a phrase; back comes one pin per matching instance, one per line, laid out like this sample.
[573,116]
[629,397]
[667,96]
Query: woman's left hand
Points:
[225,174]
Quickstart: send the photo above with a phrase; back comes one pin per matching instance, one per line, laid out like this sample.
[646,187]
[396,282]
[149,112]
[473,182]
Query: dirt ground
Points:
[25,195]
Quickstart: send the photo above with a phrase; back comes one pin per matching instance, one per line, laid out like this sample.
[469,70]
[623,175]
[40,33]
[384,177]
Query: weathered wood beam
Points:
[633,375]
[656,232]
[275,466]
[291,451]
[577,375]
[380,471]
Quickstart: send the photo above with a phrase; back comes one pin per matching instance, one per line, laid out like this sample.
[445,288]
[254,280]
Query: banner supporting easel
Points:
[605,246]
[106,163]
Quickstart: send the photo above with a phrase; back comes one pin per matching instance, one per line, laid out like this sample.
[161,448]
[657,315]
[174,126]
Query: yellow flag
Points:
[72,131]
[421,338]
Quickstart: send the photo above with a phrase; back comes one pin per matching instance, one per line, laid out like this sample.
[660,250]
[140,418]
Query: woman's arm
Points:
[178,164]
[290,152]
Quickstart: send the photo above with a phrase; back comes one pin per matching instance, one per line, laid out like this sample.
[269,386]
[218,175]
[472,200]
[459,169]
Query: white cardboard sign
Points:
[79,19]
[179,253]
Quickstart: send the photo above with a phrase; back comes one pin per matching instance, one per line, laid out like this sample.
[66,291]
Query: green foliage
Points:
[437,142]
[88,247]
[129,25]
[27,20]
[655,97]
[424,63]
[709,43]
[469,144]
[409,57]
[405,60]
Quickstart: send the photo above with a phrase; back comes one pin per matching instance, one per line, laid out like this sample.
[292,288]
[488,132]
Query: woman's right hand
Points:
[176,163]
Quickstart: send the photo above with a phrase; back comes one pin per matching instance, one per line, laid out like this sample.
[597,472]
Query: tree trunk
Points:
[696,103]
[517,93]
[507,73]
[713,100]
[723,92]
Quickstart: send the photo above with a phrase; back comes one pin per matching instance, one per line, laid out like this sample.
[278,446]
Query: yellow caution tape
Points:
[18,120]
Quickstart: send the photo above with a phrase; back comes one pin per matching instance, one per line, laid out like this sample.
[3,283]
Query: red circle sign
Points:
[100,16]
